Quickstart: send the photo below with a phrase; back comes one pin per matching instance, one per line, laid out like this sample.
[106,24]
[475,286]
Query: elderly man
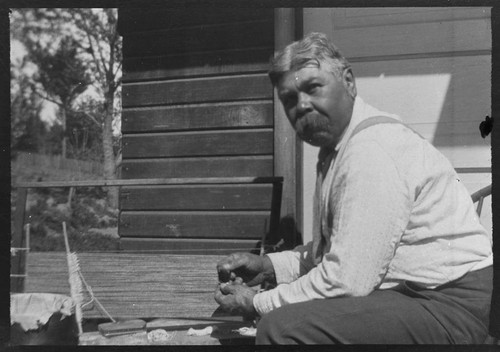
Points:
[398,254]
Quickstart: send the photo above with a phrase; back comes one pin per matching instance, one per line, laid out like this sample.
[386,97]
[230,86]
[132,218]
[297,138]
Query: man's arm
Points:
[290,265]
[370,208]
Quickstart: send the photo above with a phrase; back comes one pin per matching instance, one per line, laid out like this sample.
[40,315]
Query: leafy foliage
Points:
[89,221]
[62,74]
[75,56]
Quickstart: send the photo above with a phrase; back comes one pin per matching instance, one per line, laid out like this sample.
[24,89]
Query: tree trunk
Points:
[64,141]
[107,146]
[71,193]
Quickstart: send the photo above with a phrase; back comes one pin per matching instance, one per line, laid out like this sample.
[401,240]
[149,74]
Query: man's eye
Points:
[313,88]
[289,101]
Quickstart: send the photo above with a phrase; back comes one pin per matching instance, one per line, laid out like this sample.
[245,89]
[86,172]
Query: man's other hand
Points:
[251,268]
[236,297]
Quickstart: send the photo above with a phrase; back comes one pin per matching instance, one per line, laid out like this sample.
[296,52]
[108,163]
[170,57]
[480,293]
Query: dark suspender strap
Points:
[371,121]
[375,120]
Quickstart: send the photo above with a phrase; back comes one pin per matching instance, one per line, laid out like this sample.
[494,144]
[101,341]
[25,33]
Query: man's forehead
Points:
[308,72]
[300,75]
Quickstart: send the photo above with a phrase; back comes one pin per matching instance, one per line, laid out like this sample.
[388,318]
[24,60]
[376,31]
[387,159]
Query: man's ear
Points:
[349,82]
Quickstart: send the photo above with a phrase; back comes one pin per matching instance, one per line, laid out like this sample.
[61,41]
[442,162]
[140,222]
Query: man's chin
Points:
[317,141]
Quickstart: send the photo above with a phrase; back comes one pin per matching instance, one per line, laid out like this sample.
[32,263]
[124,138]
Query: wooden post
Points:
[71,193]
[274,226]
[18,261]
[494,328]
[287,147]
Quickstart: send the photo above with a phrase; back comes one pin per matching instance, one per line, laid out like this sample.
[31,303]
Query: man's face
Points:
[317,103]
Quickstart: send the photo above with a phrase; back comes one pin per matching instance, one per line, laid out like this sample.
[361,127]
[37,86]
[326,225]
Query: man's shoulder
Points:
[393,140]
[386,133]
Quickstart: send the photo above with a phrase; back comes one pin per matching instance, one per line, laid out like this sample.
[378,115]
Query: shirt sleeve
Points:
[369,209]
[290,265]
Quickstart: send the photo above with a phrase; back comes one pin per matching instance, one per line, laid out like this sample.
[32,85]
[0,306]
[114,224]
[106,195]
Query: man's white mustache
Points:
[310,122]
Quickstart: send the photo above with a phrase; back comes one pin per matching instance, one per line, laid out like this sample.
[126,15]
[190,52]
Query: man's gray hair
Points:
[314,48]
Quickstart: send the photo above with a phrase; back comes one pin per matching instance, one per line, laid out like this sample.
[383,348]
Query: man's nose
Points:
[303,103]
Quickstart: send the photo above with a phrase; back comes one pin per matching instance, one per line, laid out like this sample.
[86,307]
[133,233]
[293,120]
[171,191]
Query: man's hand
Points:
[236,297]
[253,269]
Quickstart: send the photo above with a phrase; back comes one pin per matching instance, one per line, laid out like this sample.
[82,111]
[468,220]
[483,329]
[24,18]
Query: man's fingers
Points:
[226,266]
[219,297]
[227,289]
[223,275]
[253,282]
[226,301]
[223,270]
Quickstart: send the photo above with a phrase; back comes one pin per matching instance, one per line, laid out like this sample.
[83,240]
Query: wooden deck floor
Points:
[133,285]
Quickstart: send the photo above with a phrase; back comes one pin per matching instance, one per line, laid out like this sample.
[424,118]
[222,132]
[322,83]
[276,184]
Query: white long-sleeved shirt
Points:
[391,208]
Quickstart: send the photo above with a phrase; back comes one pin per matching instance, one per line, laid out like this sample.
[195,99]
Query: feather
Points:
[75,282]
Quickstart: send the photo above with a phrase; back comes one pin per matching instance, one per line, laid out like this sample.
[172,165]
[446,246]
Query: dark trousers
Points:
[455,313]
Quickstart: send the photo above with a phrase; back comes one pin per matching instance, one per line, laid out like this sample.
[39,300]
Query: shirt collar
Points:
[357,112]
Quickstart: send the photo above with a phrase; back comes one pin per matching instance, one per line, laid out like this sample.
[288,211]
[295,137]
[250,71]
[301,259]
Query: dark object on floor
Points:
[57,331]
[122,327]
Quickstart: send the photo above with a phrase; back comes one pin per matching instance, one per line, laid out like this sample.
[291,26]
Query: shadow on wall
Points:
[444,98]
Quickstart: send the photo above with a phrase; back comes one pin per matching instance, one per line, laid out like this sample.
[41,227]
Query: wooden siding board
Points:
[371,17]
[194,224]
[195,117]
[415,38]
[196,64]
[197,197]
[148,18]
[252,166]
[197,39]
[188,246]
[464,133]
[462,157]
[197,90]
[250,142]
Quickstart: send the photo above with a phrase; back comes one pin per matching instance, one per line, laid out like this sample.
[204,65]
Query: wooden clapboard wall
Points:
[431,66]
[196,103]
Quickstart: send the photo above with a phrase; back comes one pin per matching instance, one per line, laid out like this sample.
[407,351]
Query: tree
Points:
[77,50]
[104,45]
[63,77]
